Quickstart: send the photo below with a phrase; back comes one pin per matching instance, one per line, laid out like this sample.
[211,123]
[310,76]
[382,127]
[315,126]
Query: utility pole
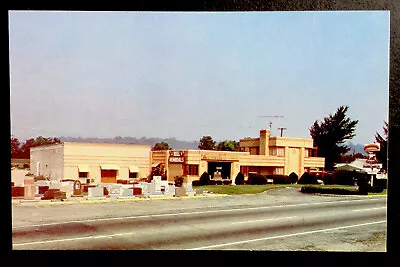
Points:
[281,129]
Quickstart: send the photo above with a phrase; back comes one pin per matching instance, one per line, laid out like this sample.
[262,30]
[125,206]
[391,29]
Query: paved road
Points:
[269,221]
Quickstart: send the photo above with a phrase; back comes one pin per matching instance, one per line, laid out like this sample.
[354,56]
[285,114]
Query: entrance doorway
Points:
[223,167]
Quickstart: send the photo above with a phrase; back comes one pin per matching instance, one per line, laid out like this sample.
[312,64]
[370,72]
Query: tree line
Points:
[329,136]
[22,151]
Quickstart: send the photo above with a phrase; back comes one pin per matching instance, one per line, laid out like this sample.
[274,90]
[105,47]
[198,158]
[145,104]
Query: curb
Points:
[96,201]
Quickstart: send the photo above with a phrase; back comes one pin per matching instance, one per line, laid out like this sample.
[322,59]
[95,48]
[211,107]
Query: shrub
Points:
[239,179]
[293,177]
[329,179]
[345,177]
[280,179]
[227,182]
[178,181]
[39,178]
[257,179]
[195,182]
[218,182]
[307,178]
[212,182]
[204,179]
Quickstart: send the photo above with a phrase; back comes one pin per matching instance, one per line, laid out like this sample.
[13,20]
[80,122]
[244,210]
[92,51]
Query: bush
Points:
[204,179]
[307,178]
[227,182]
[345,177]
[280,179]
[212,182]
[178,181]
[256,179]
[327,190]
[195,182]
[40,178]
[218,182]
[329,179]
[239,179]
[293,177]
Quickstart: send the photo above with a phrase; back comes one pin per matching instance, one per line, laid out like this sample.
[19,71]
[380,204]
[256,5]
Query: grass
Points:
[255,189]
[241,189]
[384,192]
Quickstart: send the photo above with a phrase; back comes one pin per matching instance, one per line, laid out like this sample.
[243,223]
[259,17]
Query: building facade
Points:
[90,162]
[262,155]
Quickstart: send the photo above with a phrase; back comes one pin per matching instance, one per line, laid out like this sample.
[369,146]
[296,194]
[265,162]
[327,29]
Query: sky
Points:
[188,74]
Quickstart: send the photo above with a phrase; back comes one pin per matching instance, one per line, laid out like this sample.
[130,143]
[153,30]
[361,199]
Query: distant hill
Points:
[355,148]
[175,144]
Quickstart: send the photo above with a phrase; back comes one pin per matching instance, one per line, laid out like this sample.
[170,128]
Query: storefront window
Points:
[83,174]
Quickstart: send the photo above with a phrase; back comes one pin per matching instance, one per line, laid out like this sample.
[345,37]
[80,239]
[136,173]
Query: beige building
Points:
[262,155]
[90,162]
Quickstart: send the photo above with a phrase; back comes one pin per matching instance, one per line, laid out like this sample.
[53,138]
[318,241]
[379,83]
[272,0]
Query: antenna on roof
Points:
[270,122]
[281,129]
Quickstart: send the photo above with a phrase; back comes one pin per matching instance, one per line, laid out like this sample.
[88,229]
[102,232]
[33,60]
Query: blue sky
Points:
[185,75]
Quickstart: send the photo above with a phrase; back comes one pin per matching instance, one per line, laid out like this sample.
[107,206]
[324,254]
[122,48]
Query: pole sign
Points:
[176,157]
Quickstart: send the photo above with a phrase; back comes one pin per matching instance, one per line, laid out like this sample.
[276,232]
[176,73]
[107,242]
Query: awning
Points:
[109,167]
[83,168]
[155,164]
[133,168]
[349,167]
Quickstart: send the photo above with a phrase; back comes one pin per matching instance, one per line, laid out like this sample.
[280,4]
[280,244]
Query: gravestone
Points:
[54,185]
[126,193]
[189,189]
[169,191]
[78,190]
[180,192]
[29,189]
[67,187]
[96,193]
[115,190]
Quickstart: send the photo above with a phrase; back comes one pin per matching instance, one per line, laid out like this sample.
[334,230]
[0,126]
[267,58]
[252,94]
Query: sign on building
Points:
[176,157]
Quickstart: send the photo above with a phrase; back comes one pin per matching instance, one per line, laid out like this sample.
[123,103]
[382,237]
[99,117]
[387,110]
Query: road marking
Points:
[193,212]
[283,236]
[265,220]
[370,209]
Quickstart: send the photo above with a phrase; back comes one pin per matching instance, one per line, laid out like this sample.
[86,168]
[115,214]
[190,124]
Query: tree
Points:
[206,143]
[228,145]
[204,179]
[330,135]
[382,154]
[161,146]
[15,148]
[239,179]
[39,141]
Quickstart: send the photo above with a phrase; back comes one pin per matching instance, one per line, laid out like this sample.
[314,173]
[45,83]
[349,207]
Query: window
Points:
[272,151]
[83,174]
[192,169]
[133,175]
[242,149]
[280,151]
[278,170]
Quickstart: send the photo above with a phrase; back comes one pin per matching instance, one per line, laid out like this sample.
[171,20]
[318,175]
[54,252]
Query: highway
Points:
[326,224]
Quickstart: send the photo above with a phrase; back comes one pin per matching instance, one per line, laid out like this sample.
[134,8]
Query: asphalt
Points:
[282,219]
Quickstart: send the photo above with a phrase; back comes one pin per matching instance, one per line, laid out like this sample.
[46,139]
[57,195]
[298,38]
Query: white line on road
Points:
[370,209]
[193,212]
[282,236]
[265,220]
